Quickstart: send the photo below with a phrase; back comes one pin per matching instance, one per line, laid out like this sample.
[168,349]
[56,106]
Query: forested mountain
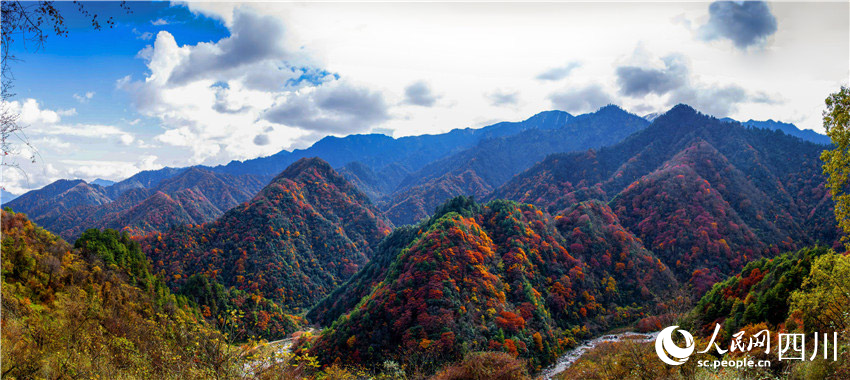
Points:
[799,292]
[759,293]
[499,276]
[707,196]
[590,223]
[294,242]
[492,162]
[94,309]
[194,196]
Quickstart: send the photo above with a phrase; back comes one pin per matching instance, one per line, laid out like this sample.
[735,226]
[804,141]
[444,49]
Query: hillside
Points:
[94,309]
[294,242]
[707,196]
[500,276]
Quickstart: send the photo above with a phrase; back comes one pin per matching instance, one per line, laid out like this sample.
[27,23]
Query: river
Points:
[566,360]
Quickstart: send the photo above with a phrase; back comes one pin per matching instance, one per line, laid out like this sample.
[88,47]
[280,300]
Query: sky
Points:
[179,84]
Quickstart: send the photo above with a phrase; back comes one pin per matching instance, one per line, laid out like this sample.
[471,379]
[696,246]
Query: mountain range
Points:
[406,177]
[707,196]
[148,203]
[524,238]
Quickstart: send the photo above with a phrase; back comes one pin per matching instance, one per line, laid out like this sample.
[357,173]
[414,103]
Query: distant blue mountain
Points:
[6,196]
[787,128]
[103,182]
[376,151]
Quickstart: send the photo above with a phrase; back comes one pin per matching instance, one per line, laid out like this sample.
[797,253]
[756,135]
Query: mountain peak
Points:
[302,165]
[102,182]
[610,108]
[678,113]
[682,109]
[609,111]
[552,114]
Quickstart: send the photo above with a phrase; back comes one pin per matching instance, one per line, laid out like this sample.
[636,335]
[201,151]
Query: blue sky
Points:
[178,84]
[89,60]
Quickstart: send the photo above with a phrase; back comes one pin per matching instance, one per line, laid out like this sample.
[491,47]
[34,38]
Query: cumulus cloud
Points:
[419,94]
[253,38]
[640,81]
[558,73]
[31,113]
[503,98]
[746,23]
[330,108]
[218,99]
[51,136]
[159,22]
[671,79]
[580,99]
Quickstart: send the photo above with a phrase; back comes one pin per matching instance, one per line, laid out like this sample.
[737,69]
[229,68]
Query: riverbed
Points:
[566,360]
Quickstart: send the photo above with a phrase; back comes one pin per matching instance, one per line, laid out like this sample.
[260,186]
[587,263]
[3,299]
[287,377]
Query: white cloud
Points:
[84,98]
[32,114]
[483,46]
[111,170]
[67,112]
[142,35]
[159,22]
[52,142]
[43,158]
[216,98]
[93,131]
[669,80]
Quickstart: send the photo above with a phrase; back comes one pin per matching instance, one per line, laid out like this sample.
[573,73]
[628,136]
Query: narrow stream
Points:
[573,355]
